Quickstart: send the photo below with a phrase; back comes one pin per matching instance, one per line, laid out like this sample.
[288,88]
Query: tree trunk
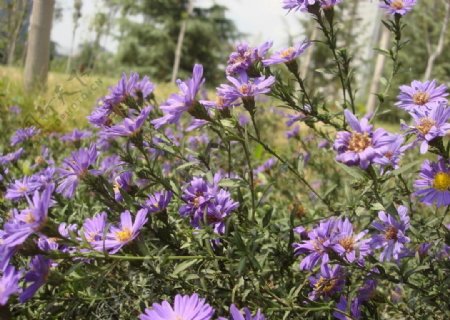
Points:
[378,72]
[176,62]
[17,16]
[440,46]
[38,49]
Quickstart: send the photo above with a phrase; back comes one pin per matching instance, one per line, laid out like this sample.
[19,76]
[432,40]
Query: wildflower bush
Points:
[195,208]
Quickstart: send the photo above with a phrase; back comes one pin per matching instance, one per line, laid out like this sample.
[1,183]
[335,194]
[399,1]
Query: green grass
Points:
[67,100]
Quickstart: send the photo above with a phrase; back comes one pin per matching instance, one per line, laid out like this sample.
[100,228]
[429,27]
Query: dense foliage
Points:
[196,208]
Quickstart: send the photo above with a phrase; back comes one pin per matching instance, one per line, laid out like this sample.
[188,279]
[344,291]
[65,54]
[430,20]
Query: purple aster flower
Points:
[293,133]
[129,127]
[75,168]
[349,245]
[330,281]
[420,96]
[15,109]
[297,5]
[266,166]
[9,284]
[390,154]
[122,182]
[29,220]
[94,228]
[111,166]
[245,56]
[22,188]
[434,183]
[185,307]
[158,201]
[430,125]
[47,244]
[65,229]
[318,245]
[143,88]
[221,103]
[38,274]
[218,209]
[243,119]
[237,315]
[400,7]
[342,305]
[392,237]
[76,135]
[323,144]
[24,134]
[124,233]
[196,195]
[245,88]
[6,253]
[287,55]
[362,145]
[100,117]
[184,101]
[11,157]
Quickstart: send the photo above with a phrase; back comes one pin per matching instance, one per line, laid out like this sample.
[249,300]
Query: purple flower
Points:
[38,274]
[330,281]
[122,182]
[15,109]
[266,166]
[400,7]
[24,134]
[392,237]
[124,233]
[245,87]
[245,56]
[362,145]
[185,307]
[29,220]
[196,195]
[75,168]
[22,188]
[6,253]
[221,103]
[287,55]
[9,284]
[237,315]
[434,183]
[129,127]
[390,154]
[318,245]
[94,228]
[421,96]
[158,201]
[293,133]
[349,245]
[430,125]
[218,209]
[355,311]
[184,101]
[11,157]
[301,5]
[76,135]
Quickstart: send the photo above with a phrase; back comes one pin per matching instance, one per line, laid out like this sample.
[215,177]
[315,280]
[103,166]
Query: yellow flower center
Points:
[39,160]
[287,52]
[359,142]
[124,235]
[397,4]
[244,89]
[325,285]
[220,101]
[29,218]
[23,188]
[441,181]
[425,125]
[116,187]
[347,243]
[391,233]
[178,317]
[420,98]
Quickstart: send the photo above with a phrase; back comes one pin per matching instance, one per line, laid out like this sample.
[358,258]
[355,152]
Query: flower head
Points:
[244,57]
[75,168]
[362,145]
[124,233]
[287,55]
[184,101]
[184,308]
[390,154]
[24,134]
[421,96]
[244,87]
[400,7]
[76,135]
[94,228]
[392,236]
[11,157]
[330,281]
[429,125]
[158,201]
[433,185]
[38,274]
[9,284]
[130,127]
[21,188]
[236,314]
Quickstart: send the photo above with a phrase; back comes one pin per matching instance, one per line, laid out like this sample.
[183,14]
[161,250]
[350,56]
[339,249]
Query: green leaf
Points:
[355,173]
[183,266]
[406,168]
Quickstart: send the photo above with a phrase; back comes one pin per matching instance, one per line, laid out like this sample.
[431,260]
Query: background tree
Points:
[77,7]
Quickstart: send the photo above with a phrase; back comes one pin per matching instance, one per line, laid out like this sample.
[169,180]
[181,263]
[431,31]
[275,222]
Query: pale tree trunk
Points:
[17,16]
[378,72]
[38,50]
[440,46]
[176,62]
[307,59]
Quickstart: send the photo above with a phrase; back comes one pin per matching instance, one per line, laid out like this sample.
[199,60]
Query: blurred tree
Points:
[77,6]
[38,49]
[150,30]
